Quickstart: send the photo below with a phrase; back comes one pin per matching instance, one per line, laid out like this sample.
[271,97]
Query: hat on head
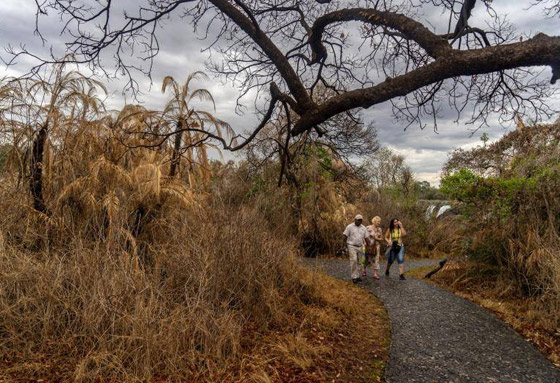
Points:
[359,216]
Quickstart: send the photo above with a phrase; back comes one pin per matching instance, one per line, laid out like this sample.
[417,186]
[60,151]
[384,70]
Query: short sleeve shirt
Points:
[373,232]
[355,234]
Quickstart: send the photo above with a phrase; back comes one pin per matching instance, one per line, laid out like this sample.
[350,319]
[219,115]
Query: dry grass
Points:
[120,319]
[131,274]
[134,275]
[89,317]
[342,337]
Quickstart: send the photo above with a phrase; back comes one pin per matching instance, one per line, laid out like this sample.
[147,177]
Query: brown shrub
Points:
[131,271]
[135,275]
[124,320]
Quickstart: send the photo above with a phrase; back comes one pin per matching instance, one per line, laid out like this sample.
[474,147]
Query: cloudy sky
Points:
[181,53]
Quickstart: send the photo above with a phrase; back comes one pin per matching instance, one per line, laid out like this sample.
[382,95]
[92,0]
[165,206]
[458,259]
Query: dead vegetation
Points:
[141,260]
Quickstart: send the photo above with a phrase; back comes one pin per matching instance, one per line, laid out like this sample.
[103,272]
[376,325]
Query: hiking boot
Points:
[387,272]
[363,272]
[401,277]
[356,280]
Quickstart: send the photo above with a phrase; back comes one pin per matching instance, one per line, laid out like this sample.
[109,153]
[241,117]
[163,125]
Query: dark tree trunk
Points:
[285,157]
[175,157]
[36,180]
[296,196]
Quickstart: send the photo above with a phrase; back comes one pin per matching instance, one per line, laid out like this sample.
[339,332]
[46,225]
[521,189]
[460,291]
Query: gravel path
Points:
[440,337]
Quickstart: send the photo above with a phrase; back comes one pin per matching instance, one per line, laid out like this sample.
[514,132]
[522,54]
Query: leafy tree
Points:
[460,185]
[484,138]
[385,169]
[424,190]
[513,210]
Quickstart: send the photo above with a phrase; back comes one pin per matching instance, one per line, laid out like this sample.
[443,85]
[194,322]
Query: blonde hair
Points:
[376,219]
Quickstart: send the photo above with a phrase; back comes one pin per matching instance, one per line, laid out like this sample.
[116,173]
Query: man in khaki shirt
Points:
[355,236]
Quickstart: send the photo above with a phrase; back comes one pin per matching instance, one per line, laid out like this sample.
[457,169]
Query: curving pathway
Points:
[439,337]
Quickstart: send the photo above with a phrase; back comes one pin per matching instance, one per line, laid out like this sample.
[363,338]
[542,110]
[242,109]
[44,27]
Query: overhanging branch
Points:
[538,51]
[433,44]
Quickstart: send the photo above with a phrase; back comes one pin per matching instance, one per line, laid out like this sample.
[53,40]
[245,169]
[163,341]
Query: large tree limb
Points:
[277,39]
[433,44]
[540,50]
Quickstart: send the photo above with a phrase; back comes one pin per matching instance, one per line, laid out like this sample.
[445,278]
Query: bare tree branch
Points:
[290,49]
[410,29]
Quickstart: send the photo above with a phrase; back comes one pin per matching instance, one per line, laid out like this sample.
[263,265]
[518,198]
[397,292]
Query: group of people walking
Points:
[364,246]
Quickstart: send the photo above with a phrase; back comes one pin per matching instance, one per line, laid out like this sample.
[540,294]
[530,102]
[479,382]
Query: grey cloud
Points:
[425,150]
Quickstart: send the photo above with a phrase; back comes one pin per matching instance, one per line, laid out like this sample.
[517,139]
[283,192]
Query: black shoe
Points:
[402,278]
[356,280]
[387,272]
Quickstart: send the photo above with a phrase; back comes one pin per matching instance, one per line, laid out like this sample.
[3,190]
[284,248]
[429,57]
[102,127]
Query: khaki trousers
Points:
[355,254]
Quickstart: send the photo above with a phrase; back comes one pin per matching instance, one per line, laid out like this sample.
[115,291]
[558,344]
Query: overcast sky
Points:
[181,54]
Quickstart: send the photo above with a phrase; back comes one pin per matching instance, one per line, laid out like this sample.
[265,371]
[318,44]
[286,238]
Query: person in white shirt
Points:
[355,236]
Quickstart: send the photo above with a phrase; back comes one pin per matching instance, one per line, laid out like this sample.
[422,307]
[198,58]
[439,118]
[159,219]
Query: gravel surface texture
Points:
[438,336]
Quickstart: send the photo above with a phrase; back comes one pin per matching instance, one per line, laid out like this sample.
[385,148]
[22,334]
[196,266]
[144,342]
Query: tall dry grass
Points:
[171,294]
[120,319]
[131,274]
